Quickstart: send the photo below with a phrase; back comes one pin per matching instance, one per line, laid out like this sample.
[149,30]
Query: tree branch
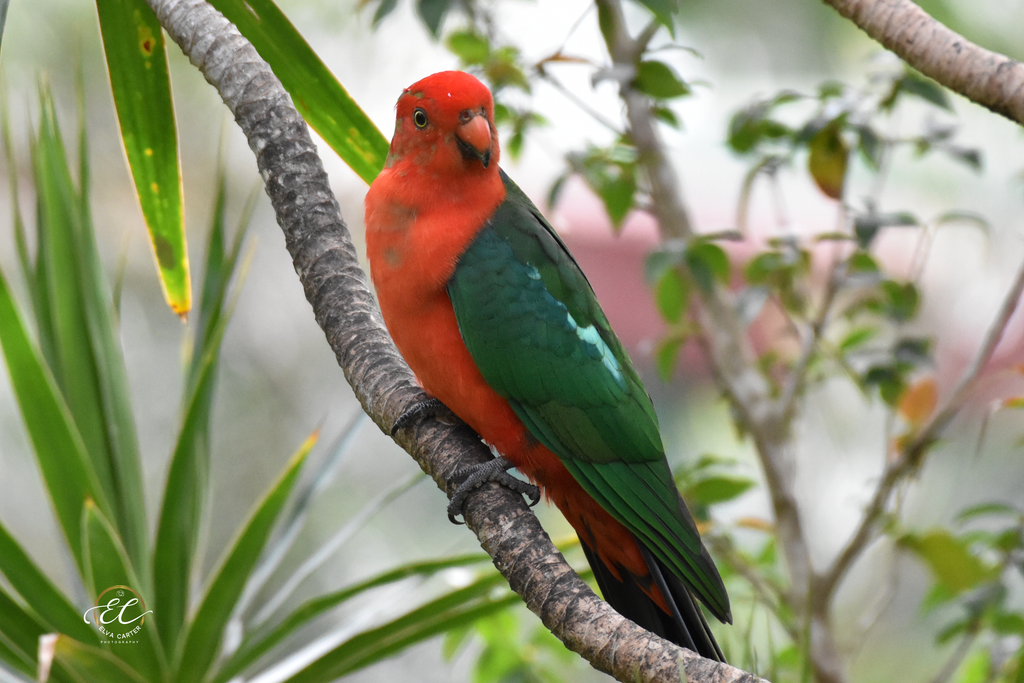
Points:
[988,78]
[325,260]
[726,345]
[915,451]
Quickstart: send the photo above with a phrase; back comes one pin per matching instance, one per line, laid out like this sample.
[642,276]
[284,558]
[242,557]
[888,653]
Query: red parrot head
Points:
[445,123]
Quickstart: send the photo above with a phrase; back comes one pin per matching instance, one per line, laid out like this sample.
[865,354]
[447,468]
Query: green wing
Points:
[534,328]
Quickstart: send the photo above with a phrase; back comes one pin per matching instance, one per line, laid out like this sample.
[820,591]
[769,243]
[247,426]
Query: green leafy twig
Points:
[912,455]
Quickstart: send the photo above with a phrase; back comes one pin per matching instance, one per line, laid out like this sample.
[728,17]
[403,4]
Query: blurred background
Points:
[279,380]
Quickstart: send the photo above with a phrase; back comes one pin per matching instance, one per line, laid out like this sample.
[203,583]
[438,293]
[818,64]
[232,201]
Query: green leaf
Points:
[659,261]
[108,571]
[986,510]
[952,631]
[617,193]
[137,64]
[658,80]
[470,47]
[719,489]
[667,116]
[181,512]
[901,300]
[751,126]
[867,225]
[889,381]
[58,447]
[965,155]
[1008,623]
[764,267]
[828,158]
[207,626]
[913,351]
[975,668]
[662,11]
[857,337]
[708,262]
[385,8]
[19,635]
[870,146]
[666,355]
[861,262]
[456,609]
[672,295]
[46,600]
[949,559]
[928,90]
[318,96]
[255,647]
[966,217]
[86,662]
[432,13]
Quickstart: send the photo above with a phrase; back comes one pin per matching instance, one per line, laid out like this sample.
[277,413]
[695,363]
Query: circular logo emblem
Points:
[119,614]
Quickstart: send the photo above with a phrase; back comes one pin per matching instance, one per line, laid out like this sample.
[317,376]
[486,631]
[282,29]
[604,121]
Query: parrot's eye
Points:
[419,117]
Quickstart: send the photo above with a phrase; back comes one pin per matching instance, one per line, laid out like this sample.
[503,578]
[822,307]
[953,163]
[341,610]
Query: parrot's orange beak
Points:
[474,137]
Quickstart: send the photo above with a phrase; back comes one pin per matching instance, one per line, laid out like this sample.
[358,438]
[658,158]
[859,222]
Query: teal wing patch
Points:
[533,326]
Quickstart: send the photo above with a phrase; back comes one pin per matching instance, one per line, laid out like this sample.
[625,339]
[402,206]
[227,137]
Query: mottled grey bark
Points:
[335,286]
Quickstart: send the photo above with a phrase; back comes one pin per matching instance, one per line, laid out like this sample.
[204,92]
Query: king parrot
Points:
[500,325]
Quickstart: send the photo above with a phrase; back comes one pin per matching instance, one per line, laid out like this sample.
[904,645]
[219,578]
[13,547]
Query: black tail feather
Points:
[686,626]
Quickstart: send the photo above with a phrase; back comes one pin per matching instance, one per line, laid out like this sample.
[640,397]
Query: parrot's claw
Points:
[428,407]
[493,470]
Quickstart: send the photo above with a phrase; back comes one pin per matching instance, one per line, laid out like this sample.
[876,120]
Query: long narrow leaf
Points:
[137,64]
[294,520]
[453,610]
[20,631]
[181,511]
[32,584]
[21,243]
[207,627]
[181,514]
[331,545]
[3,19]
[218,270]
[113,391]
[86,356]
[318,95]
[255,647]
[87,663]
[107,566]
[59,450]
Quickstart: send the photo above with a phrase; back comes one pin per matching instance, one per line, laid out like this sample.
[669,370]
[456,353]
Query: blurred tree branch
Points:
[723,336]
[983,76]
[908,460]
[325,260]
[987,78]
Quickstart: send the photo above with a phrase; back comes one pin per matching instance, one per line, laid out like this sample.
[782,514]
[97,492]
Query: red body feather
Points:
[422,212]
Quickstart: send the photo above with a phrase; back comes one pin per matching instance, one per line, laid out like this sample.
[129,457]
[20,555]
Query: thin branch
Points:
[724,339]
[812,339]
[913,454]
[576,100]
[766,591]
[988,78]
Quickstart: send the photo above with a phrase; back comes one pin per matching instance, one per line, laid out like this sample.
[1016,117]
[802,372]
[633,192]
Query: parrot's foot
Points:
[493,470]
[429,407]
